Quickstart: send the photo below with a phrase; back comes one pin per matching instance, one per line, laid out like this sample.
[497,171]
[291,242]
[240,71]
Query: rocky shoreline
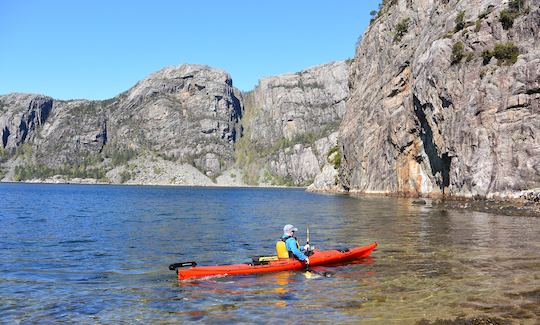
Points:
[508,207]
[522,205]
[482,320]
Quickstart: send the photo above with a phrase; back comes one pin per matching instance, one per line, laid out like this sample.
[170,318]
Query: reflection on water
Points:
[99,254]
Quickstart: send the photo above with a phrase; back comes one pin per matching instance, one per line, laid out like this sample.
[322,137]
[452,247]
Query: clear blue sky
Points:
[95,49]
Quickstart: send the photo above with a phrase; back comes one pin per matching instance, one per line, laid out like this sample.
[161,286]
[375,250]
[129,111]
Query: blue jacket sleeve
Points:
[291,246]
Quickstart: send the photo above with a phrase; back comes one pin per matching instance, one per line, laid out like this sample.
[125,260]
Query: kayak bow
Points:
[317,258]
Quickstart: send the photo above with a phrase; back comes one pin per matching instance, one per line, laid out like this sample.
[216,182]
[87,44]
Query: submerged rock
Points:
[483,320]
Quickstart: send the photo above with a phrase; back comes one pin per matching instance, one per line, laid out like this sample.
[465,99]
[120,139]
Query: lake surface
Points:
[99,254]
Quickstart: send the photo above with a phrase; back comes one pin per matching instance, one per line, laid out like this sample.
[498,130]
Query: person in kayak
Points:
[291,243]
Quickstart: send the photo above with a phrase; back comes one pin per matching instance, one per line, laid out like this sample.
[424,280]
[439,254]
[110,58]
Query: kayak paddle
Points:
[174,266]
[307,239]
[309,272]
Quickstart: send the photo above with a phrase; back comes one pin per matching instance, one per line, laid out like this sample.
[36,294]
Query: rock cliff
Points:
[20,116]
[445,99]
[187,114]
[181,125]
[287,124]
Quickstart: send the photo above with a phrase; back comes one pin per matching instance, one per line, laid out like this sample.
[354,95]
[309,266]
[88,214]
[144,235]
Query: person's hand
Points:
[307,261]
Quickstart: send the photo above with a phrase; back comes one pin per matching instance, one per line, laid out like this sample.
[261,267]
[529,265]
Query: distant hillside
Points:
[181,125]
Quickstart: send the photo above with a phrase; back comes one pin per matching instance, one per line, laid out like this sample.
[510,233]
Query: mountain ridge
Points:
[186,114]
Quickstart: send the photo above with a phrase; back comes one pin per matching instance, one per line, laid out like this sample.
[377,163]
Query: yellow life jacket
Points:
[281,248]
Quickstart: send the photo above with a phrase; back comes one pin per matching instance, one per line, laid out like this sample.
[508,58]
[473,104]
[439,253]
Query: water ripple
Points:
[99,254]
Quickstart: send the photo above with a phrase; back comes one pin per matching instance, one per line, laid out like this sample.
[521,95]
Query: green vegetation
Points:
[401,29]
[506,54]
[277,180]
[246,152]
[307,139]
[87,108]
[507,18]
[252,154]
[81,165]
[457,53]
[383,7]
[373,15]
[461,24]
[24,151]
[514,10]
[125,176]
[92,159]
[334,156]
[478,25]
[283,181]
[469,57]
[35,171]
[119,155]
[349,61]
[157,170]
[4,155]
[459,21]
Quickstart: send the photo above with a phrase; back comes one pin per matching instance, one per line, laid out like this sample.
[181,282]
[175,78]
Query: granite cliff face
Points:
[187,114]
[75,131]
[180,125]
[288,124]
[20,115]
[445,99]
[292,105]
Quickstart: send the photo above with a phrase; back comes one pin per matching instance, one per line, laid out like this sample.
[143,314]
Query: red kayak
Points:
[317,258]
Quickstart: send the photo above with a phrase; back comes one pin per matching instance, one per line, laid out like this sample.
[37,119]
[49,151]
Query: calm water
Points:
[99,254]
